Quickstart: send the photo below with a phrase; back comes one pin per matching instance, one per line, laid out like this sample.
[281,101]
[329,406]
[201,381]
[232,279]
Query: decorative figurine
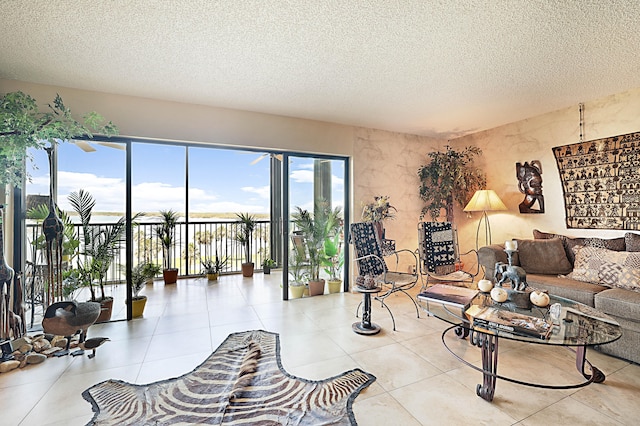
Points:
[530,184]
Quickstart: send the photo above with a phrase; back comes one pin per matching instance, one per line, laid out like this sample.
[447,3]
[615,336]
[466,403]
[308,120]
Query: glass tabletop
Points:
[563,322]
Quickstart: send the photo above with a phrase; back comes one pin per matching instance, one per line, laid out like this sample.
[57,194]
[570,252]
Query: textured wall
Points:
[532,139]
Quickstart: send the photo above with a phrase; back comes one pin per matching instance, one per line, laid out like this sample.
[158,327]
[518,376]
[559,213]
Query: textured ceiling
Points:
[432,67]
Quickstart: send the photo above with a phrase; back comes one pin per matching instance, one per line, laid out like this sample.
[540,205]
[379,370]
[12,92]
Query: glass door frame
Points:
[286,213]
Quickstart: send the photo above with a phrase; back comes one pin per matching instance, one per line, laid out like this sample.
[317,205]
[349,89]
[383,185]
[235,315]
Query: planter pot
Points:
[335,286]
[170,275]
[296,291]
[247,269]
[316,288]
[266,270]
[137,306]
[106,307]
[212,277]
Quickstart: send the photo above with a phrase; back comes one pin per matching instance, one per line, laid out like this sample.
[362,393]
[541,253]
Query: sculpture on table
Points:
[530,184]
[515,274]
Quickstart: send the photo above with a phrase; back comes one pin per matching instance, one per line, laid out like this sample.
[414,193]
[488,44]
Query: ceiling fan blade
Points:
[85,146]
[279,157]
[258,159]
[113,145]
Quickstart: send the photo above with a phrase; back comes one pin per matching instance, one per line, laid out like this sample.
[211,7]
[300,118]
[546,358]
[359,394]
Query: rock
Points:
[35,358]
[37,338]
[15,344]
[9,365]
[17,355]
[51,350]
[23,363]
[41,345]
[61,343]
[26,348]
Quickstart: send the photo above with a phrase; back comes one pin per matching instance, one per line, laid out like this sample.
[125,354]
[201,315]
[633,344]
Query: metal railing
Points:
[194,242]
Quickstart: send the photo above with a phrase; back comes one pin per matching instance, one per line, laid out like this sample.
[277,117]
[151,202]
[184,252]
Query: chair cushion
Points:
[437,246]
[543,256]
[607,267]
[365,240]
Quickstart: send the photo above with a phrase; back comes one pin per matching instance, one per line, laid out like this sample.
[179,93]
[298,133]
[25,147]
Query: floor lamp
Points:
[484,200]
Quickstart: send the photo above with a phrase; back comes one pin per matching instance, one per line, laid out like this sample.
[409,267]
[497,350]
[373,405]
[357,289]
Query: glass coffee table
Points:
[563,322]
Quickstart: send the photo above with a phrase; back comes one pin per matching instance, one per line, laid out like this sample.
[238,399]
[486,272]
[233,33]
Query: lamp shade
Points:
[485,200]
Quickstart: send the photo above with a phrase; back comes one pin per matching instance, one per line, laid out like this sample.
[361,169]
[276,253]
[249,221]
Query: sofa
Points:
[601,273]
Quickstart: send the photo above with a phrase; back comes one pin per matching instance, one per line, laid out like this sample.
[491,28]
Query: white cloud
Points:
[262,191]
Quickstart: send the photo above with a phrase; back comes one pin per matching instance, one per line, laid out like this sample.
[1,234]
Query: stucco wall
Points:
[533,139]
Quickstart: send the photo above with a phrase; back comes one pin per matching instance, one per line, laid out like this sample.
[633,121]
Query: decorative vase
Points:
[316,288]
[247,269]
[170,275]
[212,277]
[334,286]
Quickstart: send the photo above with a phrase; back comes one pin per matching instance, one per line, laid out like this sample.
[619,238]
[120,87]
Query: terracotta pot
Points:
[247,269]
[212,277]
[334,286]
[170,275]
[316,288]
[296,291]
[106,307]
[137,306]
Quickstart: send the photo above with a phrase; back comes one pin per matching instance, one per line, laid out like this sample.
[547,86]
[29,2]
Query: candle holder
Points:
[510,256]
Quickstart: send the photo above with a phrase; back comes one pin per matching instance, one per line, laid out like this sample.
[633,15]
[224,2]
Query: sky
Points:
[220,180]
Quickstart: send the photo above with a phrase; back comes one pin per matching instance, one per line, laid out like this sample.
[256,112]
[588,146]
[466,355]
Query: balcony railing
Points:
[194,242]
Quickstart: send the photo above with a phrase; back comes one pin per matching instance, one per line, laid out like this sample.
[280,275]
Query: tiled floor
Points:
[418,381]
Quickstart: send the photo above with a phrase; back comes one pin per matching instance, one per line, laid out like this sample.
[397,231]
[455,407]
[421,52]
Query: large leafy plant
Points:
[166,233]
[449,177]
[23,126]
[245,234]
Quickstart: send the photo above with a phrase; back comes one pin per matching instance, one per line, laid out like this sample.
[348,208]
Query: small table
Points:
[579,326]
[365,326]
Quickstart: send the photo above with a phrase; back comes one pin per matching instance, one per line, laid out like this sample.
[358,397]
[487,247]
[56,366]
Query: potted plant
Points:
[98,247]
[244,236]
[298,275]
[316,228]
[267,265]
[449,176]
[334,261]
[166,234]
[140,276]
[213,267]
[377,212]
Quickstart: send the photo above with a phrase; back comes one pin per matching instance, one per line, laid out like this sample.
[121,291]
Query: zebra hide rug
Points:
[242,382]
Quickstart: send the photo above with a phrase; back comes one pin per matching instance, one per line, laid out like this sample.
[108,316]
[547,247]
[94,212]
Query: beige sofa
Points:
[602,273]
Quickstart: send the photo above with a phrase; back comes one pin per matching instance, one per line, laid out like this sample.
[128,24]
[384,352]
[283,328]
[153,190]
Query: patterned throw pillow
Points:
[607,267]
[632,241]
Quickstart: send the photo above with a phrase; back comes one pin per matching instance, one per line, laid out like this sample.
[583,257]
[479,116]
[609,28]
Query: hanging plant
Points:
[23,126]
[449,177]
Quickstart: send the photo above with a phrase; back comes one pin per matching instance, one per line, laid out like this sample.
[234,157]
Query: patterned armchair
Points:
[371,261]
[440,256]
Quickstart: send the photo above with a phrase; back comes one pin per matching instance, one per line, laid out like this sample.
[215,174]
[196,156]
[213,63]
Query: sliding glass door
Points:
[315,203]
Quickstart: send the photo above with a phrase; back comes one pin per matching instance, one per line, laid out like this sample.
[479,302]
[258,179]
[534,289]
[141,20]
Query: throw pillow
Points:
[632,241]
[607,267]
[543,256]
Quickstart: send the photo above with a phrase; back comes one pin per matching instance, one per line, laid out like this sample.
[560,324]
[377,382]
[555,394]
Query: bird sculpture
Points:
[69,318]
[90,345]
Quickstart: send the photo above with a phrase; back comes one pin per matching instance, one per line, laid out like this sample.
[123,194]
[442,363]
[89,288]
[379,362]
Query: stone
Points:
[23,363]
[17,355]
[61,343]
[41,345]
[35,358]
[51,350]
[26,348]
[9,365]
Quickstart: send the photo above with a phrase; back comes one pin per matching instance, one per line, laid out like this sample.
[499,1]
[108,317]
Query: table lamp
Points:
[484,200]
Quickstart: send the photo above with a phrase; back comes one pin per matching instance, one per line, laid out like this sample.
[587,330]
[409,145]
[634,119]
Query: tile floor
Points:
[418,381]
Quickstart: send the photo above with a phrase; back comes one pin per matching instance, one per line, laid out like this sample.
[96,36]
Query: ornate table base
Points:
[366,326]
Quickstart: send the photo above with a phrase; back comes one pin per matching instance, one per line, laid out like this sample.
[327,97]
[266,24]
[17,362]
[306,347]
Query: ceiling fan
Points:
[266,154]
[87,147]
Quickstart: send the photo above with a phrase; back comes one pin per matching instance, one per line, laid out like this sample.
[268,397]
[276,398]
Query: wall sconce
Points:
[484,200]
